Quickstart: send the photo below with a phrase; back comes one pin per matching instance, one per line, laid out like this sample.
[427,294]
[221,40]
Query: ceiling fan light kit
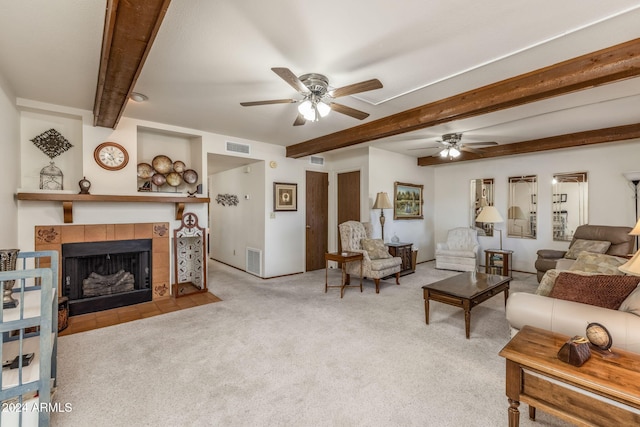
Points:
[317,101]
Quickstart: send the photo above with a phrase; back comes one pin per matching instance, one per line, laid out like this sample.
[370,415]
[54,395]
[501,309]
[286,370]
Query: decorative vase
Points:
[8,258]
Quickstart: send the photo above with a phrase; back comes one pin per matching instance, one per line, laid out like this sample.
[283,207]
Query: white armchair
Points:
[460,251]
[377,263]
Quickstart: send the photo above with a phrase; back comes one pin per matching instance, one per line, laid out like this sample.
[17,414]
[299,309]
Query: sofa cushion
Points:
[375,248]
[580,245]
[631,304]
[598,263]
[602,290]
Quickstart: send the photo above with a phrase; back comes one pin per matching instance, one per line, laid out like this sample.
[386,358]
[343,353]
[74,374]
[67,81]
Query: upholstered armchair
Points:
[460,251]
[607,239]
[377,262]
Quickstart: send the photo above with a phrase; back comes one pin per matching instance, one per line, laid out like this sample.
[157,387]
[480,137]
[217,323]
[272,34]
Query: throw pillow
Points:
[598,263]
[631,304]
[602,290]
[547,282]
[375,248]
[549,279]
[580,245]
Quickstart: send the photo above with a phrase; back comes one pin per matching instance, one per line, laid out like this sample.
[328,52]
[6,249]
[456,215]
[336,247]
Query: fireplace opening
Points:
[103,275]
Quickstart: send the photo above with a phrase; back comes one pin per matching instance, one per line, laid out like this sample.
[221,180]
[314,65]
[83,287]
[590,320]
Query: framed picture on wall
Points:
[407,201]
[285,196]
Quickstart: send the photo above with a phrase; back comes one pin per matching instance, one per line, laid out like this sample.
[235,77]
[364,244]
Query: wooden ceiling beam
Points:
[587,71]
[577,139]
[130,27]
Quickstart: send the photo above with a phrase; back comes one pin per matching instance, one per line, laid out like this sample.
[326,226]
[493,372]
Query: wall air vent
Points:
[254,261]
[316,160]
[236,147]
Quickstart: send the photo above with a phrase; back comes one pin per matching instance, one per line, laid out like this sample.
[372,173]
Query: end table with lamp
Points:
[498,261]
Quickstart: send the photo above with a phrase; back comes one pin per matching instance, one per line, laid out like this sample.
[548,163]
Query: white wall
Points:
[611,200]
[385,168]
[10,172]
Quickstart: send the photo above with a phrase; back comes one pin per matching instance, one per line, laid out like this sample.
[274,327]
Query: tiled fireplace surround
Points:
[51,237]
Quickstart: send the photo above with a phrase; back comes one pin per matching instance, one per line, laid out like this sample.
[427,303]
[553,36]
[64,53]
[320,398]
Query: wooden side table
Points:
[605,391]
[343,258]
[402,250]
[498,261]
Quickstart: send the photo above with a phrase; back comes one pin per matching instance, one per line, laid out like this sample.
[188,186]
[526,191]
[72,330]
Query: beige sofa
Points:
[570,317]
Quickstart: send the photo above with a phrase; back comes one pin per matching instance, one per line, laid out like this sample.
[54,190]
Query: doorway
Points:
[348,199]
[317,213]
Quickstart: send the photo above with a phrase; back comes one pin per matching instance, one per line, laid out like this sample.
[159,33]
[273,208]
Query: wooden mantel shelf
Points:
[68,199]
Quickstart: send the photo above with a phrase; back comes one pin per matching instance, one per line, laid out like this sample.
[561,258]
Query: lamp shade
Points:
[632,266]
[515,212]
[632,176]
[636,229]
[489,214]
[382,201]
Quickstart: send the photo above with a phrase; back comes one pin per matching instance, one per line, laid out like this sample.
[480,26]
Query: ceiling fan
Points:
[318,97]
[451,146]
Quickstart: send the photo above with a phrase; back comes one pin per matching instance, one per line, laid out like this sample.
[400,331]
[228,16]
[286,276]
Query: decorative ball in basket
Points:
[163,171]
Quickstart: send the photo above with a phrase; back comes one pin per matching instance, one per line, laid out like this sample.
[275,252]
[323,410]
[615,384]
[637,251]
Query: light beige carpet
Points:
[281,352]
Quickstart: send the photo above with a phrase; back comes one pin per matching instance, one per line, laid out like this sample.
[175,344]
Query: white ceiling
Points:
[211,55]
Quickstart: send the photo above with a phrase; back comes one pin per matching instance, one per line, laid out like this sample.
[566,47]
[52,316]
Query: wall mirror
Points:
[522,211]
[481,196]
[569,203]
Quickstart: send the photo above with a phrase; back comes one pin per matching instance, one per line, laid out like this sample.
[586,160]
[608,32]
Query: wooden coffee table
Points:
[604,391]
[465,290]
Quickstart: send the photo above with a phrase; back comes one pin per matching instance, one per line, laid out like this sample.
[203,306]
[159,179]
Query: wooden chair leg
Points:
[377,281]
[347,279]
[398,278]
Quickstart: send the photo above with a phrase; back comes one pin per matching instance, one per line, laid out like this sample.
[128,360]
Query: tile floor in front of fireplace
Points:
[101,319]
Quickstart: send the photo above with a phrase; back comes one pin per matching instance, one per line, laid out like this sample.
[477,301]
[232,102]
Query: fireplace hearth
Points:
[103,275]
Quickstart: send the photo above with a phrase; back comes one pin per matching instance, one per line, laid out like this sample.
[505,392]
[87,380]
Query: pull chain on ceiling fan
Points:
[317,101]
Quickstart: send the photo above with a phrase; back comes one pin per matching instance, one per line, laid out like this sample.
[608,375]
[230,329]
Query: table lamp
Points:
[636,232]
[490,214]
[632,266]
[382,202]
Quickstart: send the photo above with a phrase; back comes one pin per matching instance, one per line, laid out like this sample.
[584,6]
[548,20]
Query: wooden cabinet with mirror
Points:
[570,204]
[522,211]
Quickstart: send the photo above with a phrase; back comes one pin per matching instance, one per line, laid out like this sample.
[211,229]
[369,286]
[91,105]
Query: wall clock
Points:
[111,156]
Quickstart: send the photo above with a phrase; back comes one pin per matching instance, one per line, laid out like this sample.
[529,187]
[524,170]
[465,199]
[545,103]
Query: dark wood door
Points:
[317,213]
[348,199]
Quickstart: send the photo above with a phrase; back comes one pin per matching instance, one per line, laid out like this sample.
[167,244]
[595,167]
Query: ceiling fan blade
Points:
[343,109]
[272,101]
[480,144]
[471,150]
[428,147]
[300,120]
[293,80]
[356,88]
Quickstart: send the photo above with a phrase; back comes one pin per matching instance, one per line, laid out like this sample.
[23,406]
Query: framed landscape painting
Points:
[407,201]
[285,196]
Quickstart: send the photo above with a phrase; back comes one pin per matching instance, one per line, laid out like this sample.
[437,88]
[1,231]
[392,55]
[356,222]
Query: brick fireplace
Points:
[53,237]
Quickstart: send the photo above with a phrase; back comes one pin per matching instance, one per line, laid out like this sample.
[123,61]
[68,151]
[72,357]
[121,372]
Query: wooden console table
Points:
[68,200]
[605,391]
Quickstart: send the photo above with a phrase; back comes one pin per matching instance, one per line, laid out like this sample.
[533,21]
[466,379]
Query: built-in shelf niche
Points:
[178,147]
